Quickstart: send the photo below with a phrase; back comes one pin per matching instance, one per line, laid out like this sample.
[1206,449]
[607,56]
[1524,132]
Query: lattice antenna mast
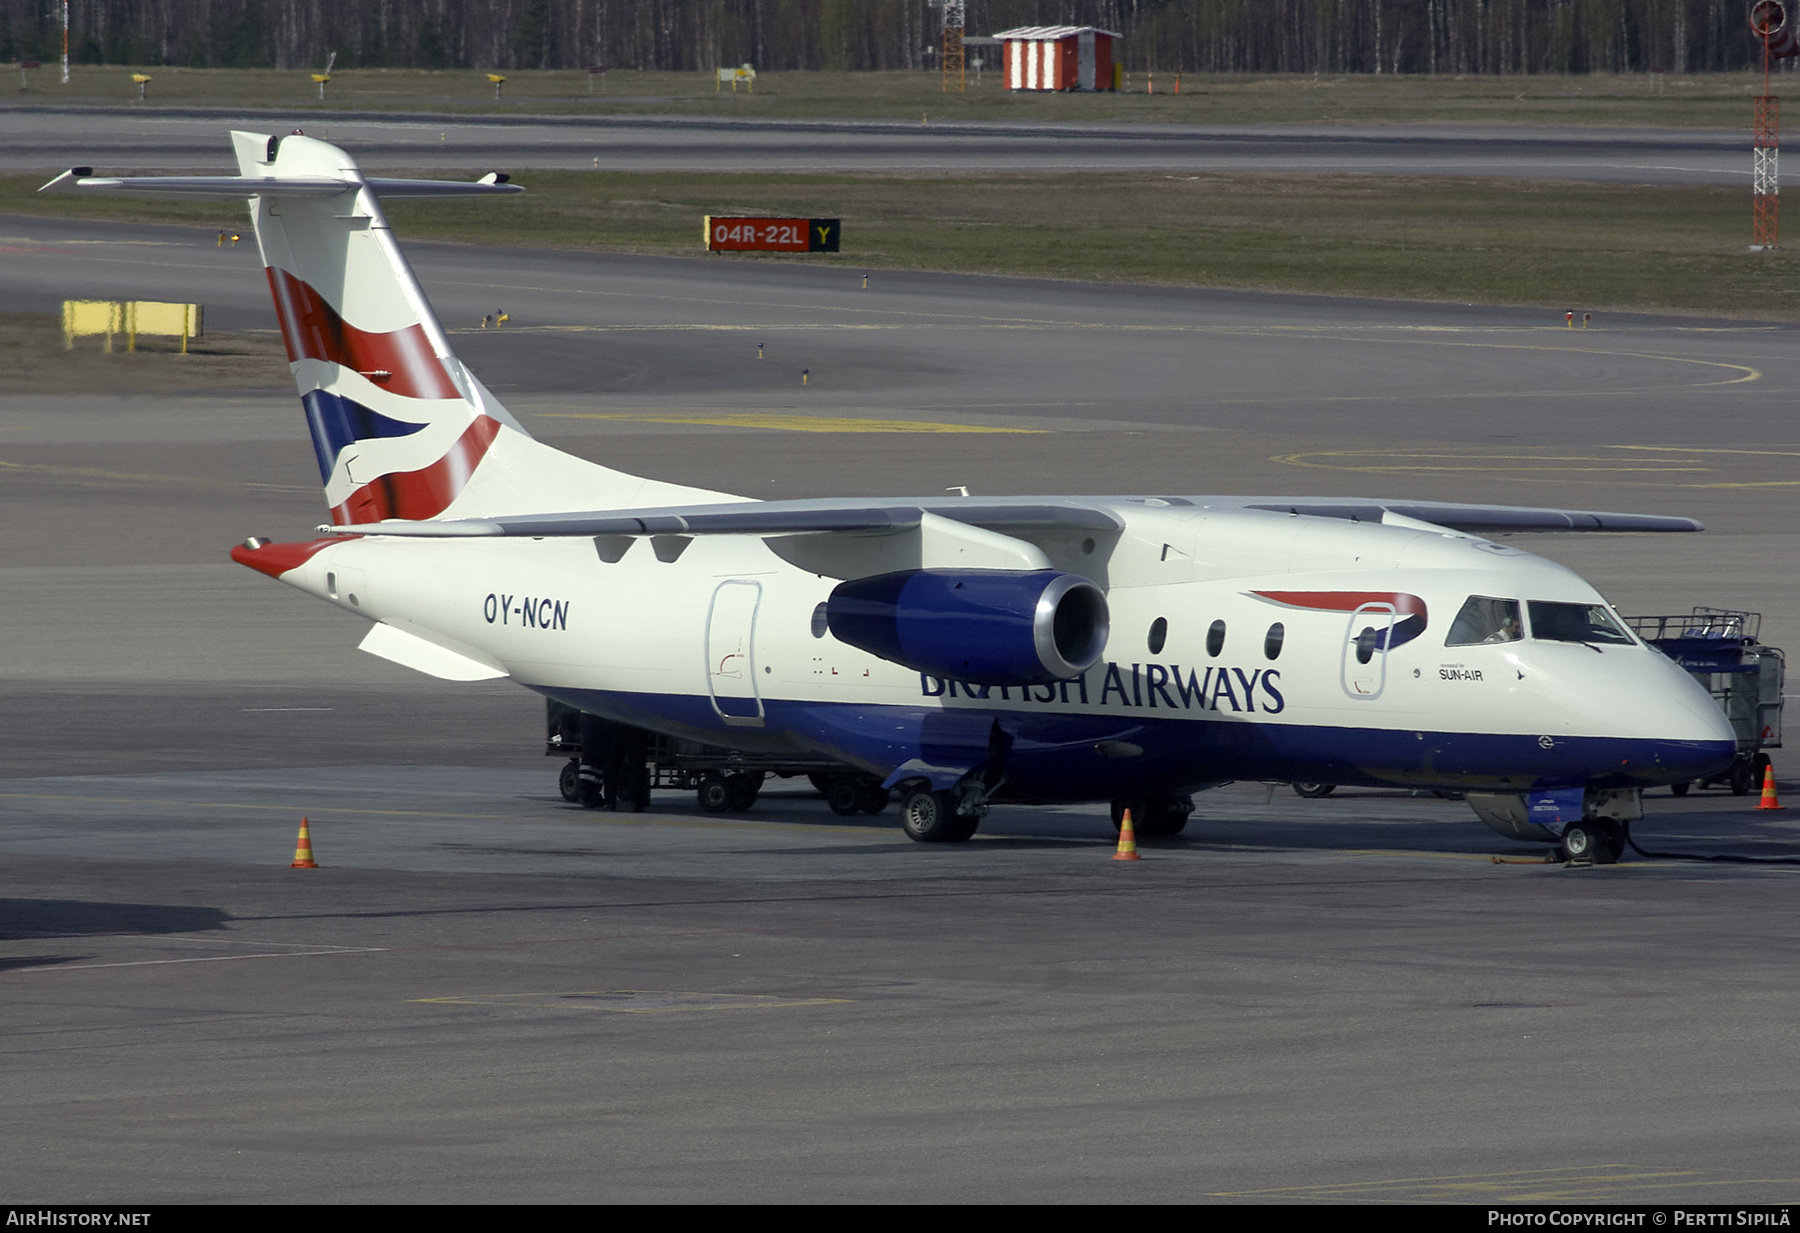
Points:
[1769,22]
[1765,179]
[954,13]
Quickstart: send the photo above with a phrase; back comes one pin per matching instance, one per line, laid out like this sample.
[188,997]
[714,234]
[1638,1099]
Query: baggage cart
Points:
[723,780]
[1721,648]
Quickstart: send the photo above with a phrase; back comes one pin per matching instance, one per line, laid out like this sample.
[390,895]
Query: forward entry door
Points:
[1364,672]
[730,653]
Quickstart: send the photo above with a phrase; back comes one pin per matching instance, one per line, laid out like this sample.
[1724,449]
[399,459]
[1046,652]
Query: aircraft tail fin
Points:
[398,425]
[401,429]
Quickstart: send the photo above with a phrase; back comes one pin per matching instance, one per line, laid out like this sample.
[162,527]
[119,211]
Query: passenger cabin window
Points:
[1486,620]
[1159,634]
[1215,639]
[1272,641]
[1590,623]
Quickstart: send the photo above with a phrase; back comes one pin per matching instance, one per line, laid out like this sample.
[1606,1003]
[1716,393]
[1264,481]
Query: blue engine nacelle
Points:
[986,626]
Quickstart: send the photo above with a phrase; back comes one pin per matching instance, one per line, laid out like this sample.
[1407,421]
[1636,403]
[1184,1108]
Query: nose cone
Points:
[1696,741]
[1636,718]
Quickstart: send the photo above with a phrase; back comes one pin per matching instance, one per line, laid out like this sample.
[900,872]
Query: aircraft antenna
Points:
[1771,22]
[954,17]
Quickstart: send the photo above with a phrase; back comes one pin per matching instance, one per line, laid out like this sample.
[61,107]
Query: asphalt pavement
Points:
[49,139]
[485,994]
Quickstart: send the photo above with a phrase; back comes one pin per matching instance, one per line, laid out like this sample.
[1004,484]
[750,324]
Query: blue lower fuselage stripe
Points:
[1055,757]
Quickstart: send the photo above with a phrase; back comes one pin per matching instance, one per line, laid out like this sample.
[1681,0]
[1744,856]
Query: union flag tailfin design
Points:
[401,429]
[402,361]
[399,426]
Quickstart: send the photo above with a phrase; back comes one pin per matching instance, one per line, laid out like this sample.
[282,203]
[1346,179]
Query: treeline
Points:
[1251,36]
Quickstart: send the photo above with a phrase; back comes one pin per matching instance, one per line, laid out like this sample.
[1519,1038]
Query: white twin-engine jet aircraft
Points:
[960,649]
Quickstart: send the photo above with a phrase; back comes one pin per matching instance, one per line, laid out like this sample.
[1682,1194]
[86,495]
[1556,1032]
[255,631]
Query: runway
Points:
[487,995]
[49,139]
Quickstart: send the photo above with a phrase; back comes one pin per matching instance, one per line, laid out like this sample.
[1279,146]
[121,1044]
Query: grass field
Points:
[1719,100]
[33,360]
[1560,245]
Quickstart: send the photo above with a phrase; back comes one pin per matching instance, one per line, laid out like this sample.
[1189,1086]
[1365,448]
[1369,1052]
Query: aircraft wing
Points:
[1477,519]
[1017,515]
[767,518]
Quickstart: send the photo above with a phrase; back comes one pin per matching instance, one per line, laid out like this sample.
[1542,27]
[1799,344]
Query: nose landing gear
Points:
[1596,841]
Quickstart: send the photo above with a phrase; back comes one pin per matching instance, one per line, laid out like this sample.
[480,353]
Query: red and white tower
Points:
[953,30]
[1770,22]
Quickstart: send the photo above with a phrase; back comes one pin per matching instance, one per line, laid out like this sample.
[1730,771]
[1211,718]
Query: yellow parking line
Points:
[1466,1184]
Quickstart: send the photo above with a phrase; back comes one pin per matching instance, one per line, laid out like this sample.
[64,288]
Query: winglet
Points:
[67,180]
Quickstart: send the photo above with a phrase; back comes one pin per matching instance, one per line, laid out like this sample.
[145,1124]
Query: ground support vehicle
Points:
[1719,647]
[622,764]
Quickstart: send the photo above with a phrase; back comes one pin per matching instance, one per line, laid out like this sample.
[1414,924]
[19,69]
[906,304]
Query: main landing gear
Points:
[1162,815]
[851,794]
[935,817]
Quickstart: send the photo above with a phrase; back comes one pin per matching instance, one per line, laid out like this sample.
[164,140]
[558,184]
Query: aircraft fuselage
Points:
[1244,644]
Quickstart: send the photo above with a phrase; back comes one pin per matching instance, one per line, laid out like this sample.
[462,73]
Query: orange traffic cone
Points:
[1769,800]
[1127,840]
[303,849]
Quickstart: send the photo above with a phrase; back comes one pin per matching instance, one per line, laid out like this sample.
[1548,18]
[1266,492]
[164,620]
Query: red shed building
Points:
[1058,58]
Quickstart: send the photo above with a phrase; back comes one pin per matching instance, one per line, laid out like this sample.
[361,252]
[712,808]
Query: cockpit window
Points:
[1486,620]
[1575,623]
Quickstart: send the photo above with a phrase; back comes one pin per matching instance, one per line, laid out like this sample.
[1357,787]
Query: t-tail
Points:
[401,429]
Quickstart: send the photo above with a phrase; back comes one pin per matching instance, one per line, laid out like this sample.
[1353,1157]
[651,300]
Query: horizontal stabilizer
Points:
[82,179]
[396,645]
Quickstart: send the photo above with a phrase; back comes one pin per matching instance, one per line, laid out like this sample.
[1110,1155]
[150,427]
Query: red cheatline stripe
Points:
[425,493]
[1345,601]
[313,330]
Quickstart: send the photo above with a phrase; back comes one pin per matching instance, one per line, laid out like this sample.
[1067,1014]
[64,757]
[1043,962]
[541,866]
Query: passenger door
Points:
[1364,670]
[730,657]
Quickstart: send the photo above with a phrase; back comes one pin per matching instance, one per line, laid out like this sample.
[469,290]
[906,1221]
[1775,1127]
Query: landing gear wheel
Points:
[1313,791]
[1153,817]
[872,798]
[1680,789]
[844,795]
[820,783]
[1741,776]
[743,787]
[1165,819]
[1137,814]
[568,781]
[962,829]
[930,817]
[1579,843]
[714,793]
[1609,841]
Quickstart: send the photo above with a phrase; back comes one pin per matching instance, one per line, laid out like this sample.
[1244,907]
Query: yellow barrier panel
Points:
[130,318]
[82,317]
[744,73]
